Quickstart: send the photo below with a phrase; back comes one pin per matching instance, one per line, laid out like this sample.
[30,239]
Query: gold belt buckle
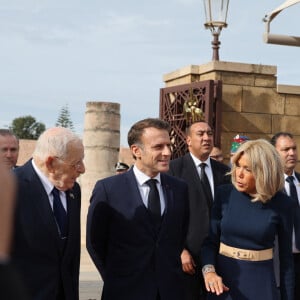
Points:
[243,254]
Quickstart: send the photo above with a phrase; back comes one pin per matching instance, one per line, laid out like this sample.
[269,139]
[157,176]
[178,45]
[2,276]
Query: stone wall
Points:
[26,150]
[253,104]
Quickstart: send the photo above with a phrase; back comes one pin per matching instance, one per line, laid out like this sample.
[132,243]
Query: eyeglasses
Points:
[76,166]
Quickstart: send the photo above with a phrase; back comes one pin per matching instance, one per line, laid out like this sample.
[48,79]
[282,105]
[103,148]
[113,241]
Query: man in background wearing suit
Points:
[137,222]
[286,146]
[199,138]
[46,241]
[9,148]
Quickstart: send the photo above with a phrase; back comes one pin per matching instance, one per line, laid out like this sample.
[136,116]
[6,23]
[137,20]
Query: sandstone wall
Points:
[253,104]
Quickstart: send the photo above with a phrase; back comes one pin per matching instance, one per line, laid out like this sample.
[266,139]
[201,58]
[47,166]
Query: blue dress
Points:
[238,222]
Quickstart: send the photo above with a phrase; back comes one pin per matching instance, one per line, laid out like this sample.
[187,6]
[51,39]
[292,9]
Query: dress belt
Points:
[244,254]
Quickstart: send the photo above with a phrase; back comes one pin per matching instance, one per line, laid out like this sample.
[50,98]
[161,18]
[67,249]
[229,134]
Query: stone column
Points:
[101,140]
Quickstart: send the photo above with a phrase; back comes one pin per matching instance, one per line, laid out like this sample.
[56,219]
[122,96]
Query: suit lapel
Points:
[190,170]
[136,201]
[193,177]
[70,197]
[168,197]
[41,202]
[217,175]
[72,211]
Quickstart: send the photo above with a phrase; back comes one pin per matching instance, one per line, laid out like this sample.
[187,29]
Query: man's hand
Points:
[188,264]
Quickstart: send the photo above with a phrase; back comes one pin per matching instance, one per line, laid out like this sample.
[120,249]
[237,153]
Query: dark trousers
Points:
[297,275]
[60,293]
[194,286]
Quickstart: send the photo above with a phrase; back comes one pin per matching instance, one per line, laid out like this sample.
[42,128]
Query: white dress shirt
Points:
[144,188]
[208,171]
[48,186]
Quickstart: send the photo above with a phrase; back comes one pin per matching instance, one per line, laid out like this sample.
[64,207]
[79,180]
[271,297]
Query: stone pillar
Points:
[101,140]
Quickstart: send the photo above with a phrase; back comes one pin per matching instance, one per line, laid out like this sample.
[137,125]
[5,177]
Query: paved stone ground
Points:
[90,290]
[90,282]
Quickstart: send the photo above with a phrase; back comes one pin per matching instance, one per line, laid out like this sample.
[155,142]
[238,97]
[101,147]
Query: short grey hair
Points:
[54,142]
[8,132]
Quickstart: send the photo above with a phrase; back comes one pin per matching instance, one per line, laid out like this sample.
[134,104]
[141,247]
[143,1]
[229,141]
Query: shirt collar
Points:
[45,181]
[294,175]
[197,161]
[142,177]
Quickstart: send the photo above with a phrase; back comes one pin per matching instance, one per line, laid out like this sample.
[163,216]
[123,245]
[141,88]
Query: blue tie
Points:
[60,213]
[294,195]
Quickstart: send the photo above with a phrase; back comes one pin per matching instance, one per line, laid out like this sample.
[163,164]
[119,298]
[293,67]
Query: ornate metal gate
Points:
[184,104]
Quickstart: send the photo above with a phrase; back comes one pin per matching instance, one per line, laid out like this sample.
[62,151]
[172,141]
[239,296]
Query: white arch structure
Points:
[278,39]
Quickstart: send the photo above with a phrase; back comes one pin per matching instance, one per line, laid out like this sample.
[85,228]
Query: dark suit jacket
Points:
[276,251]
[184,167]
[136,261]
[11,286]
[44,261]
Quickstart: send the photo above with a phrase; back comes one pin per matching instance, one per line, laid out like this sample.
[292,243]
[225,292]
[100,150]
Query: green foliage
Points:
[64,118]
[26,127]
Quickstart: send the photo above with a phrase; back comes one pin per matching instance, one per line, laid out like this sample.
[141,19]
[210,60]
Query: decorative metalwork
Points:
[192,110]
[185,104]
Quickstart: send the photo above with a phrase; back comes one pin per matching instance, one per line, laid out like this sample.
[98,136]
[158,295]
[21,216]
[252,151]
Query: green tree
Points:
[64,118]
[26,127]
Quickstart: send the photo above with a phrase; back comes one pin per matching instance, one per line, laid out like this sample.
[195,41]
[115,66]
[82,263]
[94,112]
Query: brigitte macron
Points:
[237,255]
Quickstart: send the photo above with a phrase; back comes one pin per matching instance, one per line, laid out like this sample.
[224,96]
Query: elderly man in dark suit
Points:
[202,175]
[46,242]
[137,222]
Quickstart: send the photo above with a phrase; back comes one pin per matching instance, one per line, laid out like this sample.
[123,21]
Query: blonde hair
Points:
[266,166]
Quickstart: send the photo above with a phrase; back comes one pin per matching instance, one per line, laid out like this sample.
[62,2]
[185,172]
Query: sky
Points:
[69,52]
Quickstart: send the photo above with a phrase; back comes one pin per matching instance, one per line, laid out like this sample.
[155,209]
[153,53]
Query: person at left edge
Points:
[138,256]
[47,261]
[11,287]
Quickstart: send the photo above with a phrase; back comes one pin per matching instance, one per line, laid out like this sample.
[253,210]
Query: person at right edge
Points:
[286,146]
[246,217]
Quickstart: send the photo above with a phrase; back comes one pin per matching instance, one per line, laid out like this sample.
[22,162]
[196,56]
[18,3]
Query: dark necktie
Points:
[60,213]
[205,183]
[294,195]
[153,200]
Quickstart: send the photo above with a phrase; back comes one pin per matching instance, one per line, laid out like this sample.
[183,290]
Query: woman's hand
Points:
[214,283]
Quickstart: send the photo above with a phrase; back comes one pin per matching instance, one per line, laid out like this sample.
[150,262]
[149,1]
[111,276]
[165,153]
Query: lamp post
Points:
[216,15]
